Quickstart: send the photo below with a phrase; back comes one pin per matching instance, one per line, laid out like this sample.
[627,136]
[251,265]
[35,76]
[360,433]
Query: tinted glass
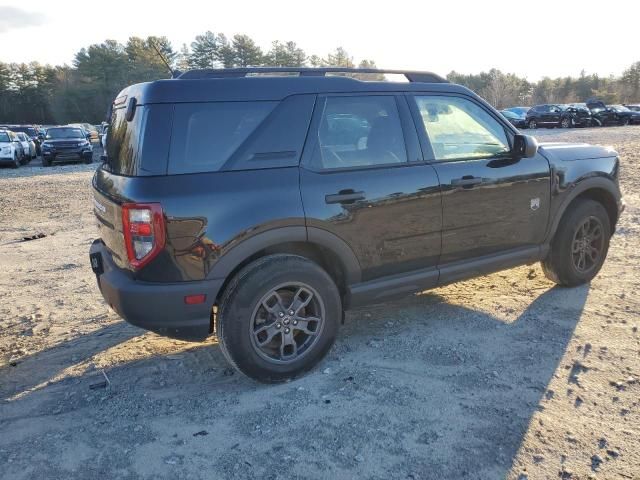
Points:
[60,133]
[458,128]
[205,135]
[123,141]
[358,132]
[4,137]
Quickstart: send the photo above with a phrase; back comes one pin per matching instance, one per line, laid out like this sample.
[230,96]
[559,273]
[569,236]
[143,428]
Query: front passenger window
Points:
[359,131]
[459,129]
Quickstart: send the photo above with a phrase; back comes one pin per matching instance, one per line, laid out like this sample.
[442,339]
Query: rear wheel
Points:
[580,245]
[533,124]
[624,122]
[278,317]
[16,161]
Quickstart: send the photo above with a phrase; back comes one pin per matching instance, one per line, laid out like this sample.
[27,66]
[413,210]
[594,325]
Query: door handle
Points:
[344,196]
[467,181]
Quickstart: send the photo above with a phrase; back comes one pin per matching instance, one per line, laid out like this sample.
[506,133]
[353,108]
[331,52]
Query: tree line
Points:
[82,91]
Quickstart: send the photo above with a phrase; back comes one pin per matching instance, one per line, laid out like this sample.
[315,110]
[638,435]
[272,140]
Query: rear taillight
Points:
[143,228]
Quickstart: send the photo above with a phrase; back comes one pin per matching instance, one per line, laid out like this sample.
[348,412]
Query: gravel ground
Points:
[501,376]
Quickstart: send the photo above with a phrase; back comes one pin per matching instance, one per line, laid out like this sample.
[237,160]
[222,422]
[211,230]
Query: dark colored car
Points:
[615,115]
[518,121]
[555,115]
[261,207]
[633,107]
[31,132]
[65,144]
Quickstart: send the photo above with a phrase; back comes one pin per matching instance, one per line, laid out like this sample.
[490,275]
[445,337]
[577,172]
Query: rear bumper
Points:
[159,307]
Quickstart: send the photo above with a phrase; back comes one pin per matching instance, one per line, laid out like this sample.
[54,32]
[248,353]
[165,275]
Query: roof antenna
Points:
[174,73]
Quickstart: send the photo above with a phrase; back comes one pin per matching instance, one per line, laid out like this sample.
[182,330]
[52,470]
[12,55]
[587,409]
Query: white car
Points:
[27,145]
[10,149]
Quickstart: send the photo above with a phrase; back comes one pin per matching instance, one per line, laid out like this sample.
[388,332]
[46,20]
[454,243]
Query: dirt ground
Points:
[501,376]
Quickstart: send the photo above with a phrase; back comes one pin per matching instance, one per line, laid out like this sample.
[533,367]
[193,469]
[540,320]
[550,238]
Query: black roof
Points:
[255,84]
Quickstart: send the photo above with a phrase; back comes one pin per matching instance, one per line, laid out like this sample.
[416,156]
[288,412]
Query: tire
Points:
[87,160]
[562,264]
[45,162]
[243,313]
[624,122]
[16,161]
[533,124]
[566,122]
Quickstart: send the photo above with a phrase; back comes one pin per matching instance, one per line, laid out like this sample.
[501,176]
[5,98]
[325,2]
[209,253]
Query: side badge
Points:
[535,204]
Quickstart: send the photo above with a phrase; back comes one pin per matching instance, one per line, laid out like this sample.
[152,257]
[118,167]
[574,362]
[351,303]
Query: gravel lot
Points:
[501,376]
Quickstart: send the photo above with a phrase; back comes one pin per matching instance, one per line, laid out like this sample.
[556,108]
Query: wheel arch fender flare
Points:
[596,184]
[318,237]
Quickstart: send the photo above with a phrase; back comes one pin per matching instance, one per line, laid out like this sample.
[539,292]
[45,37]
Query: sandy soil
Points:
[501,376]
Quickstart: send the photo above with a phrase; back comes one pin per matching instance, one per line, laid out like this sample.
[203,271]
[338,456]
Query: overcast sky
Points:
[532,38]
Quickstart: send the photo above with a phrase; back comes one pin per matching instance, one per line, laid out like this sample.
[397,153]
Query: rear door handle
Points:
[344,196]
[467,181]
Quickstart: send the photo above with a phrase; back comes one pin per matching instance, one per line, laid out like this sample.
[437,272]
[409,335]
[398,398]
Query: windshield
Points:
[28,130]
[4,137]
[510,114]
[55,133]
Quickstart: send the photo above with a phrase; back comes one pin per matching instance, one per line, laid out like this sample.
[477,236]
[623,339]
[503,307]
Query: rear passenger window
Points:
[205,135]
[358,132]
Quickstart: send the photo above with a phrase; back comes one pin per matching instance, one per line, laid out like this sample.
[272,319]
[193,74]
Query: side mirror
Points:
[524,146]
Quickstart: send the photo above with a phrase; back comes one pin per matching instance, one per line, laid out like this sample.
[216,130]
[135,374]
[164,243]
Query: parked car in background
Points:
[66,144]
[580,115]
[517,120]
[549,116]
[31,132]
[27,145]
[522,111]
[634,107]
[346,195]
[614,115]
[10,149]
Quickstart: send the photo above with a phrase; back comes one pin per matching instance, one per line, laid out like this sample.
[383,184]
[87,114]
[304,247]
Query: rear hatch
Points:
[125,162]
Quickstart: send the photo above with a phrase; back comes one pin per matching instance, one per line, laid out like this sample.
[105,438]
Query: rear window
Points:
[206,135]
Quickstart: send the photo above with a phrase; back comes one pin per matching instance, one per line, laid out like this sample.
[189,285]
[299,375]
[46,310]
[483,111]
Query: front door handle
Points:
[344,196]
[468,181]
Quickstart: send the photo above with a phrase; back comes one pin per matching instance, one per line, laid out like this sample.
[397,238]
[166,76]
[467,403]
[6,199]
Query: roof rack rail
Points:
[412,76]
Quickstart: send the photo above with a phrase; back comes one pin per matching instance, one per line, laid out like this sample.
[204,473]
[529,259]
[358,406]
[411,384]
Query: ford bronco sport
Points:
[260,204]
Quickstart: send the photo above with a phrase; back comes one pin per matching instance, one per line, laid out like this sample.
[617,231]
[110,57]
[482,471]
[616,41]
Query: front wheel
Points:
[624,122]
[566,122]
[533,124]
[16,161]
[580,245]
[278,317]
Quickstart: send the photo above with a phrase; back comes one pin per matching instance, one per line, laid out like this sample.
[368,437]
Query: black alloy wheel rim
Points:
[287,322]
[587,245]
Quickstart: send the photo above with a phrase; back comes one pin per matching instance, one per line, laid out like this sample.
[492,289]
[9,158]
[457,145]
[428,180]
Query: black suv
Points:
[64,144]
[259,204]
[554,115]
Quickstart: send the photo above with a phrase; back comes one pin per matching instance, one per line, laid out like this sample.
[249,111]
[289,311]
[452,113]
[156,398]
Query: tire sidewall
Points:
[237,309]
[562,257]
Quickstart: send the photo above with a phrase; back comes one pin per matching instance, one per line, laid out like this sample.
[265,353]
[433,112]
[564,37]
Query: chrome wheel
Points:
[287,322]
[588,244]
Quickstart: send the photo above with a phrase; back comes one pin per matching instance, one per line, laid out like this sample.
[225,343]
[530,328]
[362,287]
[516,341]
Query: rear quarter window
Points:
[206,135]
